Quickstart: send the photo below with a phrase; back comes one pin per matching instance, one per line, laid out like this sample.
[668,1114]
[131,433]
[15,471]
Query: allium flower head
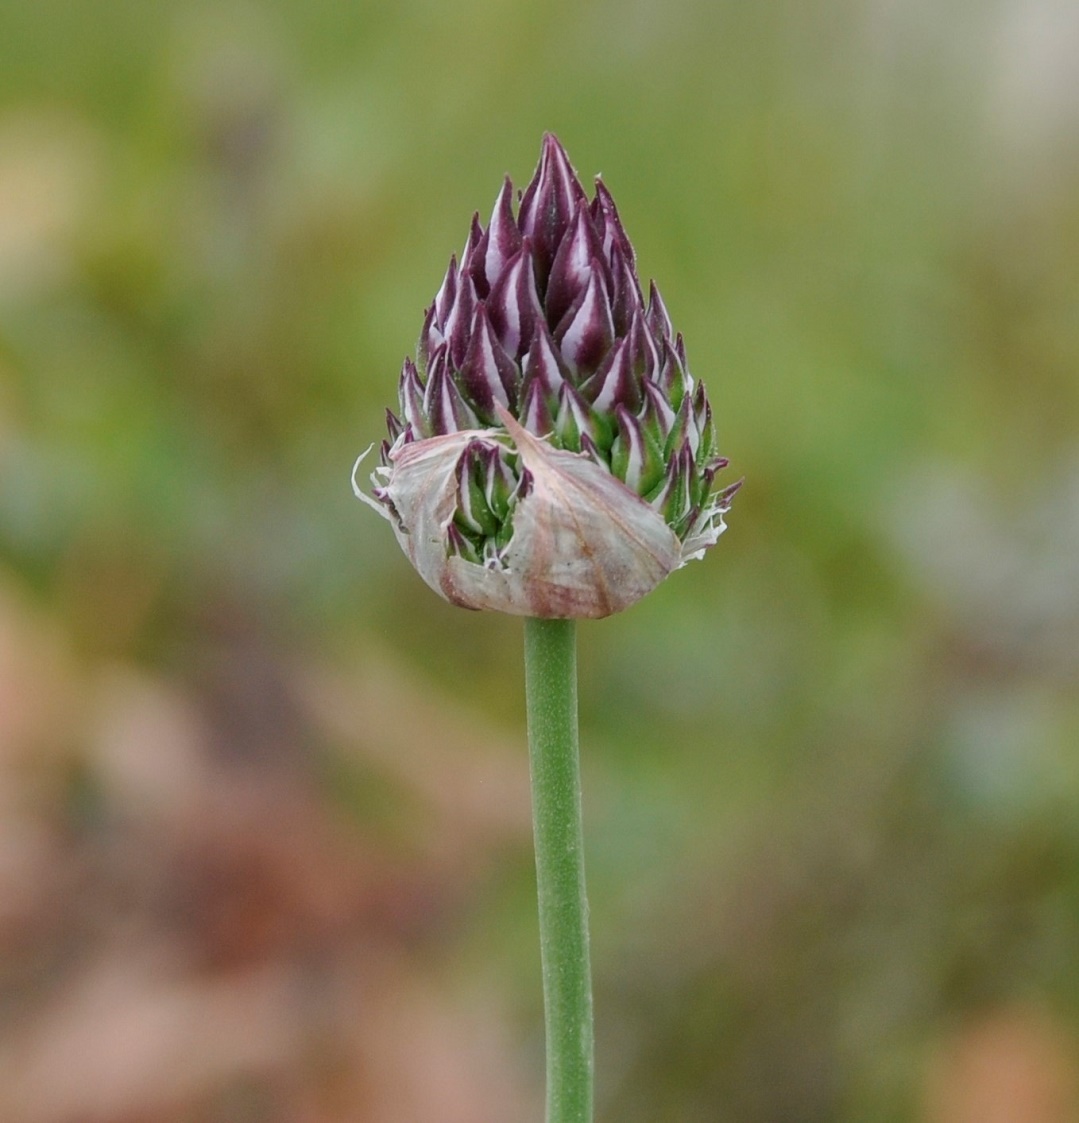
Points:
[552,455]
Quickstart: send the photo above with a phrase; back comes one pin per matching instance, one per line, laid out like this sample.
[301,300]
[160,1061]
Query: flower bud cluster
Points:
[539,349]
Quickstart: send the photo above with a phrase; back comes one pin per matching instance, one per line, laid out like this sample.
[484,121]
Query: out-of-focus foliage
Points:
[264,842]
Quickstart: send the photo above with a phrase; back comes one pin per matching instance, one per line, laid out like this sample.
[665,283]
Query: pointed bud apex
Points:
[574,418]
[410,393]
[658,319]
[473,514]
[431,337]
[674,497]
[544,363]
[626,292]
[458,546]
[587,330]
[614,383]
[636,458]
[673,378]
[499,243]
[549,202]
[535,412]
[702,422]
[644,353]
[656,415]
[680,350]
[459,318]
[487,374]
[446,410]
[682,431]
[445,296]
[577,255]
[475,236]
[514,304]
[610,225]
[590,449]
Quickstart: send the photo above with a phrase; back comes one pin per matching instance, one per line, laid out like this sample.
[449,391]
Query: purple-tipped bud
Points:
[431,338]
[499,243]
[702,422]
[586,331]
[682,431]
[675,497]
[535,412]
[610,225]
[656,416]
[614,384]
[644,354]
[552,454]
[447,291]
[472,242]
[673,378]
[514,303]
[457,324]
[579,253]
[473,513]
[487,374]
[636,456]
[658,318]
[411,397]
[446,409]
[625,290]
[460,546]
[549,202]
[574,418]
[544,364]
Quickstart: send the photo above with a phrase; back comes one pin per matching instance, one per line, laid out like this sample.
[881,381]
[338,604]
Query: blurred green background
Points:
[264,835]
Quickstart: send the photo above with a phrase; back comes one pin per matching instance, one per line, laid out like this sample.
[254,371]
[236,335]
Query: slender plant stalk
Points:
[551,691]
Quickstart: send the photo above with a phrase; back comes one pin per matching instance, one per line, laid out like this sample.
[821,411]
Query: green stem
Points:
[551,692]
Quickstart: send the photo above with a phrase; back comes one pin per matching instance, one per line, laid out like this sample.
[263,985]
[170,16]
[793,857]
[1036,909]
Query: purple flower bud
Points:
[446,410]
[514,303]
[610,225]
[552,454]
[535,412]
[682,431]
[549,202]
[458,322]
[574,418]
[658,319]
[614,384]
[656,416]
[625,289]
[411,394]
[544,364]
[431,338]
[643,351]
[578,254]
[636,456]
[586,331]
[475,236]
[487,374]
[498,244]
[445,296]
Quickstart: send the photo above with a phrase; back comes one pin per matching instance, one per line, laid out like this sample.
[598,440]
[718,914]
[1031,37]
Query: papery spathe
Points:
[583,544]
